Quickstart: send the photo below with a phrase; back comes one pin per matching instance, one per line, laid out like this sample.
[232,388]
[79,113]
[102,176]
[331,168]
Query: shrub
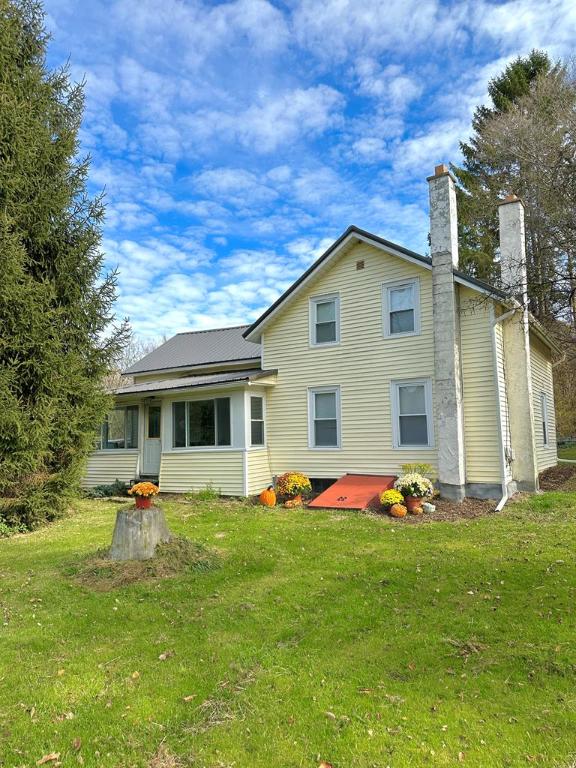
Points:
[419,469]
[414,484]
[208,493]
[117,488]
[293,484]
[9,530]
[390,497]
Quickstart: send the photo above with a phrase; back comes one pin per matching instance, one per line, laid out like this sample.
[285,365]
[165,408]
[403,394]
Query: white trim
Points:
[395,400]
[391,285]
[544,419]
[312,391]
[501,397]
[245,472]
[312,304]
[249,442]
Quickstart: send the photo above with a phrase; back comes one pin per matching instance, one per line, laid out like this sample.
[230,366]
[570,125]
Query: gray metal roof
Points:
[191,382]
[193,348]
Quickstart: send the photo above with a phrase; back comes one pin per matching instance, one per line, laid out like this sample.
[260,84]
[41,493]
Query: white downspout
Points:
[496,321]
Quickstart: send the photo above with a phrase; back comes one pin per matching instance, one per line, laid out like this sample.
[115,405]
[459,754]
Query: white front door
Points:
[152,441]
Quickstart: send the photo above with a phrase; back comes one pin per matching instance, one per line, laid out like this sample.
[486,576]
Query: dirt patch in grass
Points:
[559,478]
[178,556]
[165,758]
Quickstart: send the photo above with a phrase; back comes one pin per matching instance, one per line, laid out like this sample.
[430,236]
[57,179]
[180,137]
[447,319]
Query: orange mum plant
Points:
[293,484]
[144,489]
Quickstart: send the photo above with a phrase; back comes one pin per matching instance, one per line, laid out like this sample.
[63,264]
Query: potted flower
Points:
[414,488]
[391,498]
[143,493]
[292,486]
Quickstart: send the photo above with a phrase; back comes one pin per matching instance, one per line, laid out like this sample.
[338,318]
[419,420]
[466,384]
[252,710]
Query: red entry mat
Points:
[353,492]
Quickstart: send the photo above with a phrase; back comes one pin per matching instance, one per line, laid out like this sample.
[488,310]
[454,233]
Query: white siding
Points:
[363,365]
[546,456]
[182,471]
[104,467]
[480,398]
[259,474]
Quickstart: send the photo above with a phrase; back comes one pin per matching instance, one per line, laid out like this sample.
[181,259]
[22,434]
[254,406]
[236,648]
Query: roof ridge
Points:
[213,330]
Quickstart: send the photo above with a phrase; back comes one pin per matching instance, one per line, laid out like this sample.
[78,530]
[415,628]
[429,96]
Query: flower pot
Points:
[412,503]
[143,502]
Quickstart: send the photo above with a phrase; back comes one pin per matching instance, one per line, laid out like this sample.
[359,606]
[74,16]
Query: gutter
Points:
[496,321]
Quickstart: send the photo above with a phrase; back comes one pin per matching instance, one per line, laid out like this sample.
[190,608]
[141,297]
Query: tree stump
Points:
[137,533]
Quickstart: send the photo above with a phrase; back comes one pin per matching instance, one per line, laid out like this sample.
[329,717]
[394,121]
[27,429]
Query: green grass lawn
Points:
[357,640]
[567,453]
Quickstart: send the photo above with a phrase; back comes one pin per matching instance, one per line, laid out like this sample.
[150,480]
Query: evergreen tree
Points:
[56,342]
[482,179]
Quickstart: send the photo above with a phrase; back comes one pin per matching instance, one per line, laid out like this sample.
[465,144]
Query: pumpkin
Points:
[398,510]
[416,511]
[295,502]
[268,497]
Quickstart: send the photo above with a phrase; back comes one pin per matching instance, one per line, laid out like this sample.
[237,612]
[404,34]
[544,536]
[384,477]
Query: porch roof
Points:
[193,382]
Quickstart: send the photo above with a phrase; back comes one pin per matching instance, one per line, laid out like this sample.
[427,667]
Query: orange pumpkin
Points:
[268,497]
[398,510]
[416,511]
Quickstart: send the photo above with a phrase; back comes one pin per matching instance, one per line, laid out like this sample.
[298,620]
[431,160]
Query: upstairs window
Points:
[324,417]
[401,305]
[544,416]
[256,420]
[201,423]
[120,429]
[324,321]
[412,414]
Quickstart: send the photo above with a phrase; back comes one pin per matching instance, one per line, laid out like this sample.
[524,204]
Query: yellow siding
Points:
[363,364]
[480,399]
[106,466]
[182,471]
[546,456]
[259,474]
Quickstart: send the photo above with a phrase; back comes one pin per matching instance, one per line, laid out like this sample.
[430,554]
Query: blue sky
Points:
[236,140]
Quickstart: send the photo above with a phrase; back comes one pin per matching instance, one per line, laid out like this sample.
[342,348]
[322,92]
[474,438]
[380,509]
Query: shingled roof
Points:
[196,348]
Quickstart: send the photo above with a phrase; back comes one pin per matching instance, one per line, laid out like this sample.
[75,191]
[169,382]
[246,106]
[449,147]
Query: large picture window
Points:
[401,307]
[201,423]
[120,429]
[412,414]
[324,321]
[324,417]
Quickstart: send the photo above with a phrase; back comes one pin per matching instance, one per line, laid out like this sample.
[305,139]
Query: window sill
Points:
[203,449]
[114,451]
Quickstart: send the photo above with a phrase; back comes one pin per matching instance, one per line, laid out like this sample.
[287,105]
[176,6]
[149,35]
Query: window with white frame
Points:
[401,308]
[201,423]
[544,416]
[324,320]
[120,429]
[412,414]
[256,420]
[324,417]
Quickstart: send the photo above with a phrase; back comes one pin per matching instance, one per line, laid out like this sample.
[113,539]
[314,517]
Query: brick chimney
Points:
[516,329]
[447,367]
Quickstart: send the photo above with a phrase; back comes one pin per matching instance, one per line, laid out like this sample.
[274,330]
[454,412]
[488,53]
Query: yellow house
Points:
[375,357]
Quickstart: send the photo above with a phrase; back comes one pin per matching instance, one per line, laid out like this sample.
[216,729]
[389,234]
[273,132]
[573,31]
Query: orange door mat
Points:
[353,492]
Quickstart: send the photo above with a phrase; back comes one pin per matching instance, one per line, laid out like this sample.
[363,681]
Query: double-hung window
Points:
[412,414]
[324,321]
[120,429]
[201,423]
[544,416]
[324,417]
[256,420]
[401,307]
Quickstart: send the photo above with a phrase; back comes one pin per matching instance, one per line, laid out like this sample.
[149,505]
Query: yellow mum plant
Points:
[293,484]
[144,489]
[390,497]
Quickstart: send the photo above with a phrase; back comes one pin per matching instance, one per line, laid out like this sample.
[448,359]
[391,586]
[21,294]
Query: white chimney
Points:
[516,329]
[447,367]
